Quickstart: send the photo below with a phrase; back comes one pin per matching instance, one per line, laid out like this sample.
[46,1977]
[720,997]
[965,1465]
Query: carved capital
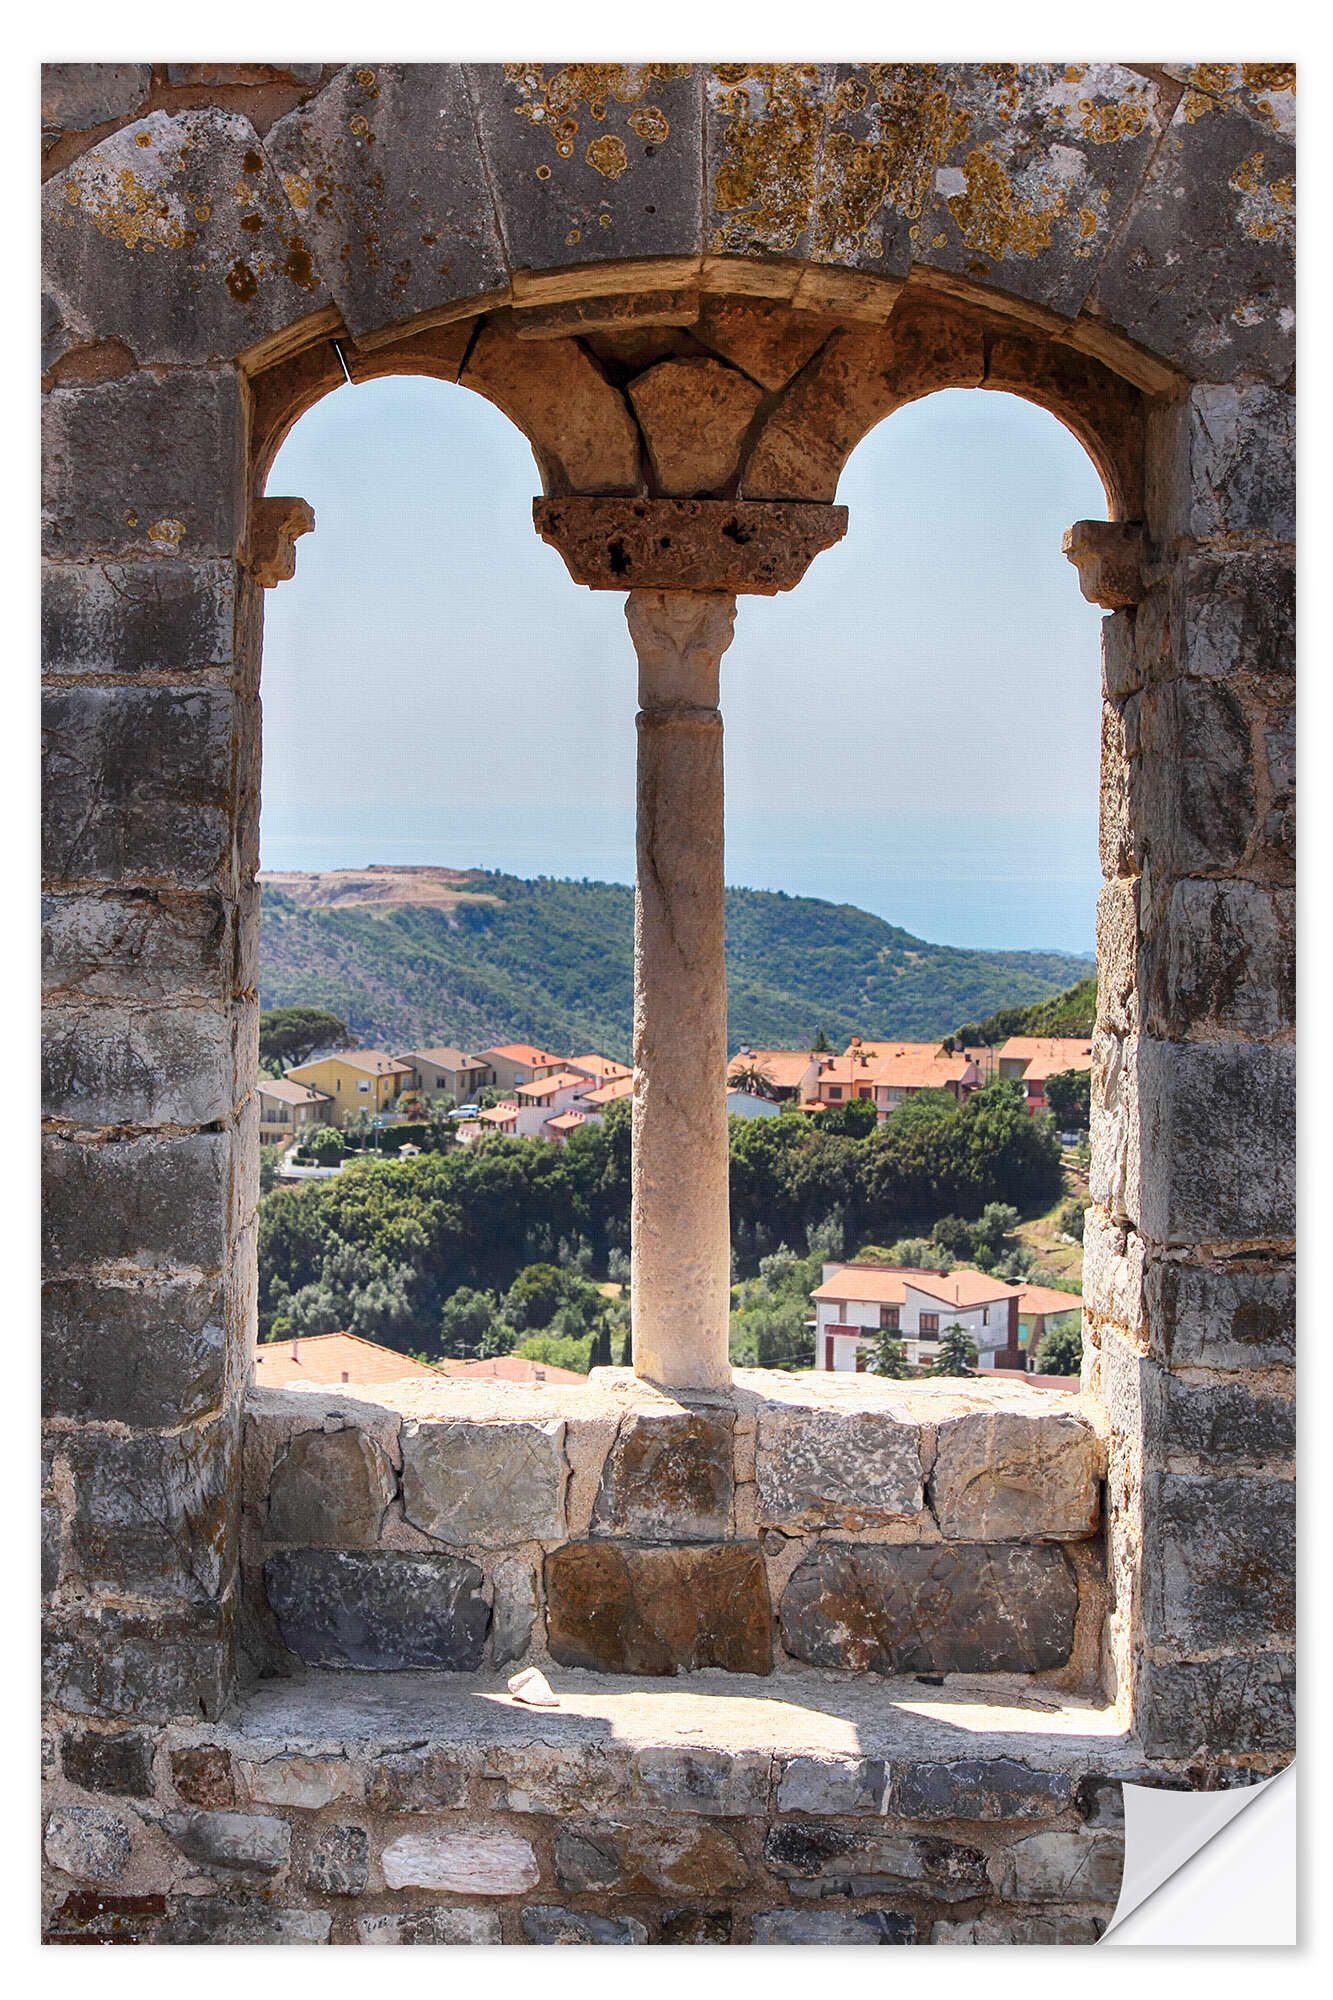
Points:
[679,637]
[275,525]
[745,547]
[1109,557]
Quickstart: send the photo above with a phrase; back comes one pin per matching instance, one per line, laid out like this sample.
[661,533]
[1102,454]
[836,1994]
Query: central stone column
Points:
[680,1231]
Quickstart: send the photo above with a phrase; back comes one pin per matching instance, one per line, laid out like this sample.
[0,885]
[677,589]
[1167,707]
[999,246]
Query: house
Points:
[445,1072]
[593,1106]
[1033,1059]
[558,1129]
[856,1302]
[545,1097]
[514,1063]
[355,1080]
[601,1069]
[785,1073]
[327,1359]
[902,1069]
[501,1117]
[508,1368]
[1039,1308]
[744,1104]
[287,1108]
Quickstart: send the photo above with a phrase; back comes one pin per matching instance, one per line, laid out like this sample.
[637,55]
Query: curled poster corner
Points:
[1164,1831]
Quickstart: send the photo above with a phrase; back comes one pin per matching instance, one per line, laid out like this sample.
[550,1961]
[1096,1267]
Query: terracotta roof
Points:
[509,1368]
[1045,1299]
[291,1093]
[884,1284]
[1046,1055]
[547,1086]
[523,1052]
[880,1051]
[912,1069]
[879,1283]
[373,1061]
[443,1058]
[600,1067]
[619,1086]
[498,1114]
[783,1067]
[568,1121]
[331,1358]
[961,1287]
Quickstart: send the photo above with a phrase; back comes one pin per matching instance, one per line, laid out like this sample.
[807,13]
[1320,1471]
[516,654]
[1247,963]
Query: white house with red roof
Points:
[856,1302]
[512,1063]
[546,1097]
[1033,1060]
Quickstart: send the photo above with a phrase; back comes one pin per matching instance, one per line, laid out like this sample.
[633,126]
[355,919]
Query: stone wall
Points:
[791,1522]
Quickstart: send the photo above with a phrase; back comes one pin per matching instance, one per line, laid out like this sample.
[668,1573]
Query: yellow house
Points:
[355,1080]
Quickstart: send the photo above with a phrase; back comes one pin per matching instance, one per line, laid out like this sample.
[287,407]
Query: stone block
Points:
[1222,960]
[447,1925]
[1061,1868]
[141,944]
[514,1608]
[101,1660]
[535,1777]
[295,1779]
[1201,271]
[746,547]
[694,414]
[1219,1562]
[832,1927]
[88,1842]
[137,617]
[144,1066]
[92,1916]
[133,1353]
[1019,1930]
[339,1863]
[52,1531]
[989,1607]
[329,1489]
[1191,788]
[1021,173]
[577,423]
[979,1788]
[825,1785]
[1118,999]
[383,172]
[668,1478]
[836,1469]
[1119,841]
[861,1861]
[763,138]
[174,236]
[462,1864]
[1002,1476]
[714,1784]
[623,1608]
[1226,1317]
[149,1202]
[120,1762]
[1217,1155]
[1217,615]
[149,465]
[136,784]
[1223,464]
[78,96]
[1101,1801]
[202,1775]
[591,161]
[545,1923]
[151,1515]
[1210,1707]
[695,1927]
[1225,1424]
[345,1608]
[223,1920]
[420,1780]
[236,1843]
[689,1859]
[770,343]
[485,1485]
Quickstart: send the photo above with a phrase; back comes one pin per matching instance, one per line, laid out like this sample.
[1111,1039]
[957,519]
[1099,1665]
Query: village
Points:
[519,1090]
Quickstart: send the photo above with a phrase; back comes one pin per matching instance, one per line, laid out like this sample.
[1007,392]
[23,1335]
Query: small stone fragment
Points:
[241,1843]
[464,1864]
[339,1863]
[543,1923]
[532,1688]
[442,1926]
[88,1842]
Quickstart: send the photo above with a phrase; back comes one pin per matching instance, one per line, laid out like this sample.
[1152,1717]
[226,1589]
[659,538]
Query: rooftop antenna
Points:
[343,359]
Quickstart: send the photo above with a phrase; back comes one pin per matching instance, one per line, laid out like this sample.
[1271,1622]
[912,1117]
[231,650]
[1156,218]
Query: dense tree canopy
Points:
[290,1035]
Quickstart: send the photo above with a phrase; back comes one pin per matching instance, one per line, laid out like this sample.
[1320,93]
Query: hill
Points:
[1071,1013]
[411,956]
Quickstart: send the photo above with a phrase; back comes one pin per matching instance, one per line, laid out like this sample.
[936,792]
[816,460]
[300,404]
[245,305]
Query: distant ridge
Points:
[412,956]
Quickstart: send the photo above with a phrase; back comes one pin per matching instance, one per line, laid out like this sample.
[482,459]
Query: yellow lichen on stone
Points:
[913,129]
[608,155]
[766,178]
[297,189]
[167,532]
[991,217]
[554,102]
[1268,76]
[1106,123]
[121,207]
[650,124]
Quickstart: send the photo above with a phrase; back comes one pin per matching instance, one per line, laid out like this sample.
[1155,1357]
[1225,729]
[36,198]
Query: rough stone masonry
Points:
[694,288]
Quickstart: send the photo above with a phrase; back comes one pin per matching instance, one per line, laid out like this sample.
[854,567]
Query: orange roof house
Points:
[602,1069]
[608,1093]
[329,1359]
[1033,1059]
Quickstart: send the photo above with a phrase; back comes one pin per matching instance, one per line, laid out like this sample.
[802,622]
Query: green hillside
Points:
[1071,1013]
[498,959]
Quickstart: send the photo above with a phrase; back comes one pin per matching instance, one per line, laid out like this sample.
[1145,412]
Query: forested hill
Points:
[413,957]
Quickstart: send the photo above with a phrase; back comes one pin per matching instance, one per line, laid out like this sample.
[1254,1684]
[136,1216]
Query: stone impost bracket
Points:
[275,525]
[743,547]
[1109,557]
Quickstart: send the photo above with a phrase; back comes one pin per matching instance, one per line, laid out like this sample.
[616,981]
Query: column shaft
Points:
[680,1222]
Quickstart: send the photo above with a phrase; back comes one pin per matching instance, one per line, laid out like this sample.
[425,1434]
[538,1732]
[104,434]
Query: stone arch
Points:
[1112,241]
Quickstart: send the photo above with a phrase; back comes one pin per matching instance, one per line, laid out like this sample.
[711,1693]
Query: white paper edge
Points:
[1164,1833]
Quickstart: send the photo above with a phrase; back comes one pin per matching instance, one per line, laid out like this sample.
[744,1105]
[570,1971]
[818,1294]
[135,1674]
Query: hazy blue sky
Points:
[929,692]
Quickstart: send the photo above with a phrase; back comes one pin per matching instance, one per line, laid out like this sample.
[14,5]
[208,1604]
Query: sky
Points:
[913,728]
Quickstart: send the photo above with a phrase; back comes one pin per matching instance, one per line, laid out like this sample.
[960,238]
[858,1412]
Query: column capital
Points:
[679,637]
[751,547]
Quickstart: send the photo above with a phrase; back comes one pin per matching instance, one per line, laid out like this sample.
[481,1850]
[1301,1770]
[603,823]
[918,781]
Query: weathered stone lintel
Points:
[275,525]
[747,547]
[1109,557]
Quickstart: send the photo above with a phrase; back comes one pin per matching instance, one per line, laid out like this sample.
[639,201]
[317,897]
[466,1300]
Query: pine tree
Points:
[890,1357]
[957,1353]
[601,1348]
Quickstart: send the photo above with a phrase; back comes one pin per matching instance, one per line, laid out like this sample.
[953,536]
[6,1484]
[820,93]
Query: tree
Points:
[466,1317]
[1069,1221]
[600,1356]
[957,1353]
[270,1158]
[820,1045]
[749,1073]
[291,1035]
[325,1146]
[1060,1349]
[890,1357]
[855,1119]
[1069,1095]
[996,1221]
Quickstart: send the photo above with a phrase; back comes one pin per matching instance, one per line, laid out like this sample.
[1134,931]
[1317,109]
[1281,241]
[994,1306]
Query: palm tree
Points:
[749,1073]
